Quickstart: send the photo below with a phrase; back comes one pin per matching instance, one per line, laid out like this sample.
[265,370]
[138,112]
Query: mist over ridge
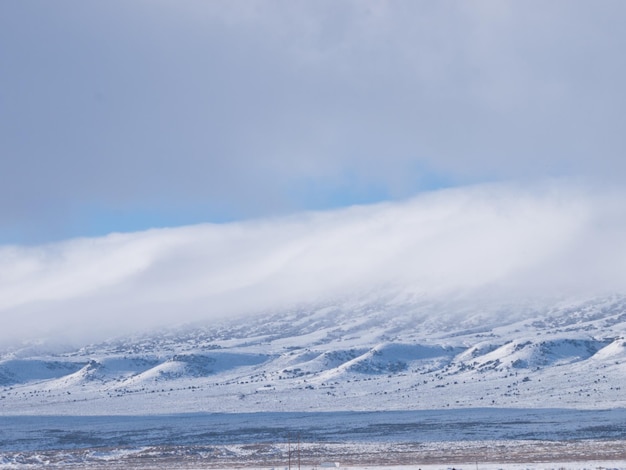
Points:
[500,241]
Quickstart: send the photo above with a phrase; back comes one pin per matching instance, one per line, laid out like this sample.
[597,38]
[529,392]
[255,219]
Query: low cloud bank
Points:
[510,241]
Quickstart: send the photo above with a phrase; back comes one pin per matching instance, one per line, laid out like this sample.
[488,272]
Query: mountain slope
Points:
[347,355]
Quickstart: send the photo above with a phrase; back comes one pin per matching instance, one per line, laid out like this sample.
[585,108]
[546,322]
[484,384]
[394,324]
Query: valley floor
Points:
[486,455]
[442,439]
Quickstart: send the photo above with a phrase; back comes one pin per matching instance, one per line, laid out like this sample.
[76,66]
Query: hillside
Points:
[391,354]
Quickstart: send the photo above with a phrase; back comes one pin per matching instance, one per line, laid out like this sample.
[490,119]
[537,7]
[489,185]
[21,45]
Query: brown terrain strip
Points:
[311,455]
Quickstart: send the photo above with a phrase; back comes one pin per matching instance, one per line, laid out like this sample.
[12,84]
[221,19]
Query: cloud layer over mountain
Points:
[496,241]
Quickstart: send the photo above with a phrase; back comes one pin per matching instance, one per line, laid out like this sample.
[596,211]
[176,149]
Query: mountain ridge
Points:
[366,355]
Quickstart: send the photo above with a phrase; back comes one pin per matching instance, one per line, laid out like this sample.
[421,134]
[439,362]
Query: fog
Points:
[512,241]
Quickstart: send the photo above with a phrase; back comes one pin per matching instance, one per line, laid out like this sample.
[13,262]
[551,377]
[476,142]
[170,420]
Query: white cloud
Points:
[511,241]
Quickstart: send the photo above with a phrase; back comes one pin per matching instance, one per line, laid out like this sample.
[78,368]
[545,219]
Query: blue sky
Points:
[121,116]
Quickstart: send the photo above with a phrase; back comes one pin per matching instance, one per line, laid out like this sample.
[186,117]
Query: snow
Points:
[347,373]
[349,455]
[344,356]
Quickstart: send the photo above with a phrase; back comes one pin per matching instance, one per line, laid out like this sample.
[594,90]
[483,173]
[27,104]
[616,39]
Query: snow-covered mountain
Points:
[374,353]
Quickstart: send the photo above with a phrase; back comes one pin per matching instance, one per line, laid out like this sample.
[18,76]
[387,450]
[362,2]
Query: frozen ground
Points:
[25,433]
[263,440]
[443,455]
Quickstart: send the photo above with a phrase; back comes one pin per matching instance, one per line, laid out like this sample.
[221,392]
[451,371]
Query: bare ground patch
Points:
[310,455]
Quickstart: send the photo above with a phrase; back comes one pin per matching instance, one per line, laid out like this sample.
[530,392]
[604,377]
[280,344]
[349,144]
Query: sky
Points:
[119,116]
[229,122]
